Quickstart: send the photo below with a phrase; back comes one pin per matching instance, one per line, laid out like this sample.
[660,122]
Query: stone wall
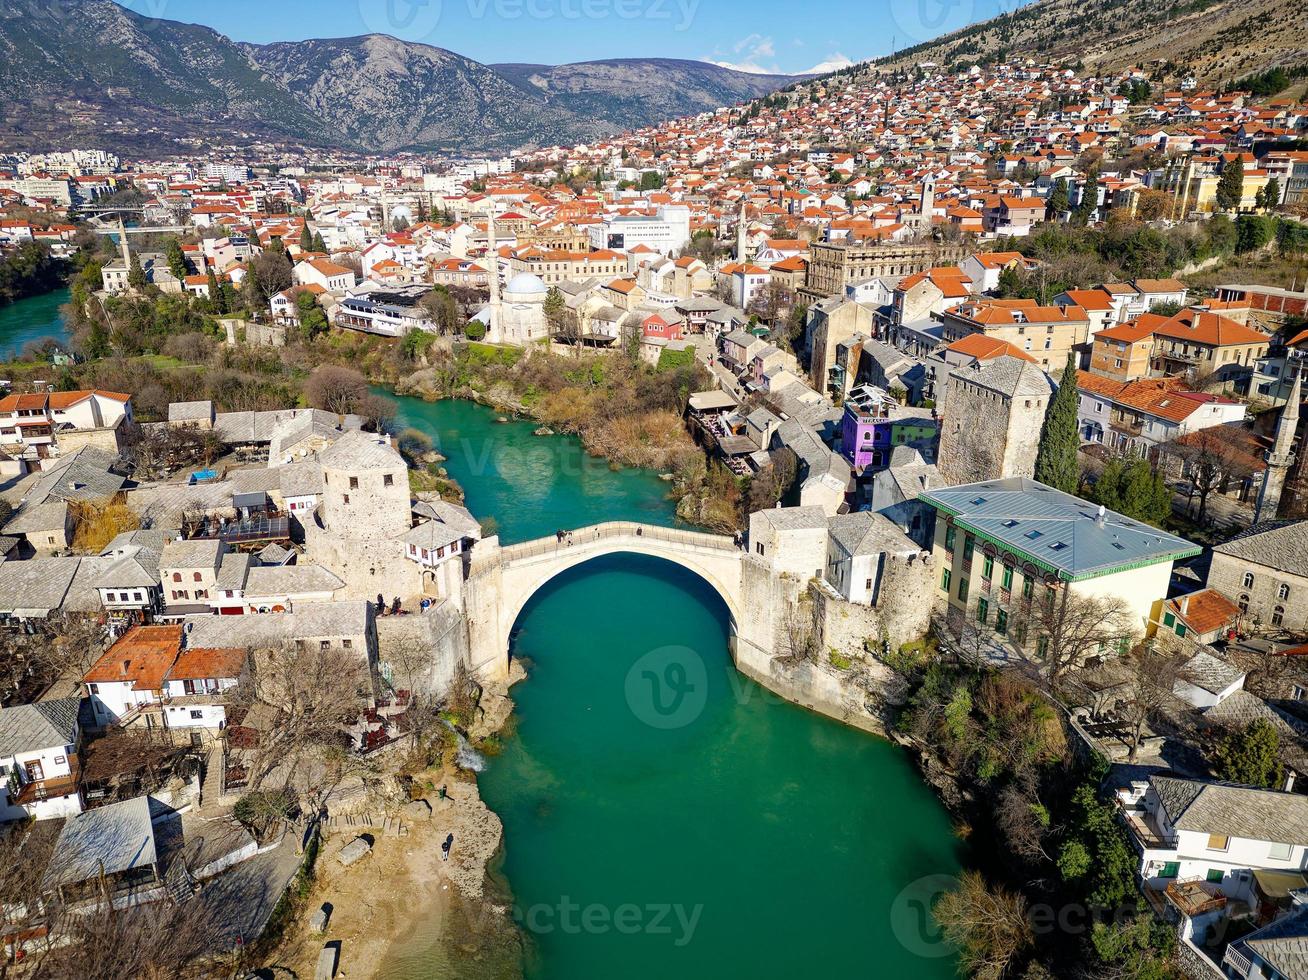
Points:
[106,438]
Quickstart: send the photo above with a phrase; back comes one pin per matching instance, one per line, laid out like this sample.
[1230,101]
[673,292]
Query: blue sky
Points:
[756,35]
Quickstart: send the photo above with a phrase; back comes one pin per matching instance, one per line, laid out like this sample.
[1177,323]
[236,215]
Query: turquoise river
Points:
[663,816]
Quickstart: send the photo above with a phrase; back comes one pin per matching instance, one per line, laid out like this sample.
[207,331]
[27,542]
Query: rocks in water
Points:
[544,430]
[502,419]
[667,477]
[355,850]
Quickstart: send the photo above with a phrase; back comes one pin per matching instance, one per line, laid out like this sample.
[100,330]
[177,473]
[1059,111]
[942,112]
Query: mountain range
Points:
[90,72]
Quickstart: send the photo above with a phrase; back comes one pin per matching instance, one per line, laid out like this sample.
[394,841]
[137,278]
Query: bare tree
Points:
[799,629]
[336,389]
[988,924]
[1211,460]
[1153,671]
[1059,629]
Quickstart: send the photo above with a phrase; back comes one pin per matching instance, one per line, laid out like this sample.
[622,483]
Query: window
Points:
[1282,592]
[95,688]
[982,610]
[758,547]
[987,568]
[1248,580]
[1001,622]
[1007,579]
[1278,615]
[1169,620]
[1042,646]
[944,580]
[388,480]
[347,644]
[345,498]
[1280,852]
[177,576]
[1215,875]
[969,543]
[1170,869]
[1218,842]
[354,483]
[196,577]
[1243,603]
[196,714]
[950,534]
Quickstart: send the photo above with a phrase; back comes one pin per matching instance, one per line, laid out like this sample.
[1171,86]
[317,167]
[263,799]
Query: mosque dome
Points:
[525,286]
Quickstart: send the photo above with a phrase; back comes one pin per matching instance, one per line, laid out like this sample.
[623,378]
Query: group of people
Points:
[381,605]
[562,536]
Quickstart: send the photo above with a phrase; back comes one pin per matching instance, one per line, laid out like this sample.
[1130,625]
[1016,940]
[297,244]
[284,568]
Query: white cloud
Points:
[755,54]
[755,46]
[834,62]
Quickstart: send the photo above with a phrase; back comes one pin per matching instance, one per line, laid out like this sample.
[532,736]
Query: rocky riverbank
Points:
[403,911]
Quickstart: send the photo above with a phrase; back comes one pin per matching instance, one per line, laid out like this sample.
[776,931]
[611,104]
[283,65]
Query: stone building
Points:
[834,265]
[832,322]
[365,511]
[991,420]
[1265,572]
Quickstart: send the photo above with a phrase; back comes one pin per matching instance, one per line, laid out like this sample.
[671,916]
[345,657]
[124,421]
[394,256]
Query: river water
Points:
[32,319]
[663,815]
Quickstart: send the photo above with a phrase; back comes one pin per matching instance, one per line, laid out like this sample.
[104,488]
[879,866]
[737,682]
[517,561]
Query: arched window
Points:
[1244,602]
[1248,580]
[1278,614]
[1283,592]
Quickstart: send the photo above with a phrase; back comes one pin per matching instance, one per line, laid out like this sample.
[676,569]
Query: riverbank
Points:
[404,898]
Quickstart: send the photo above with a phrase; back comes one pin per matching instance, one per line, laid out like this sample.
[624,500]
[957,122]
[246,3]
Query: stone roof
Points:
[794,518]
[1283,944]
[1210,672]
[1057,531]
[36,587]
[42,725]
[359,451]
[866,533]
[83,475]
[1010,377]
[275,580]
[109,839]
[1282,545]
[199,553]
[33,518]
[314,620]
[190,411]
[1234,811]
[1242,708]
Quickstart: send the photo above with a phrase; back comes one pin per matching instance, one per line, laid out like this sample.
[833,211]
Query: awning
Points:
[1278,885]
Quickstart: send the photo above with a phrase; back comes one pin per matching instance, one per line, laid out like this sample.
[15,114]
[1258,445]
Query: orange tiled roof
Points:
[1205,610]
[141,658]
[195,664]
[985,348]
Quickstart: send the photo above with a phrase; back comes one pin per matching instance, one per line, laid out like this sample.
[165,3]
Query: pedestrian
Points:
[445,847]
[444,794]
[395,606]
[381,604]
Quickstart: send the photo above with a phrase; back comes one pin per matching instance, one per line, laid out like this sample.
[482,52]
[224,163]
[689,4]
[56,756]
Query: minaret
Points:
[1281,457]
[492,253]
[124,249]
[742,226]
[928,201]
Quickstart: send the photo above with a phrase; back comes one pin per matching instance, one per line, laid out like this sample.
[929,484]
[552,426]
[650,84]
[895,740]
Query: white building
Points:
[665,232]
[38,760]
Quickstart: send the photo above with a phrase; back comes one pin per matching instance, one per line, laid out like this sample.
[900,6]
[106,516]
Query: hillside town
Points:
[984,357]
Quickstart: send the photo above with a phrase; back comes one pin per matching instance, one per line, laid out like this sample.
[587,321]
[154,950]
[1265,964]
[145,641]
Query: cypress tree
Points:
[1230,185]
[306,239]
[1056,463]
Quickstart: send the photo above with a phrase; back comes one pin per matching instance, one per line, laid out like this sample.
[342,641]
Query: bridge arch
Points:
[516,573]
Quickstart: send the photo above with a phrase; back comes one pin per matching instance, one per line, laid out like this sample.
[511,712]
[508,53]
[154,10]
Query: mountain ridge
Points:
[94,70]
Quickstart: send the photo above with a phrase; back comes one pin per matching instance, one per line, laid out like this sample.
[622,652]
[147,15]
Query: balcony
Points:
[270,526]
[1145,830]
[1194,896]
[40,790]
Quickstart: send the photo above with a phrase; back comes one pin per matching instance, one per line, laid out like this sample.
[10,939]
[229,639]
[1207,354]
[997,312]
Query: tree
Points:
[318,244]
[313,321]
[176,258]
[1253,231]
[475,330]
[1249,755]
[400,223]
[1095,856]
[1059,201]
[773,481]
[1134,488]
[1089,204]
[306,238]
[1210,460]
[1056,461]
[1271,194]
[1230,185]
[553,308]
[1152,673]
[335,389]
[440,306]
[1059,629]
[135,274]
[988,924]
[216,296]
[269,273]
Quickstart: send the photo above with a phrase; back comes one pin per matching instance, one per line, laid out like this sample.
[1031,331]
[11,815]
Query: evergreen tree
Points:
[1250,755]
[318,244]
[1089,199]
[1230,185]
[306,238]
[553,308]
[215,293]
[1272,194]
[135,274]
[1059,201]
[176,258]
[422,211]
[1056,463]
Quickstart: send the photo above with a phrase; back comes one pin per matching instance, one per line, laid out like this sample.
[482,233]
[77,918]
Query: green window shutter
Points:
[1170,870]
[950,535]
[1215,875]
[969,543]
[1001,622]
[982,610]
[987,568]
[1169,620]
[962,590]
[1008,576]
[944,580]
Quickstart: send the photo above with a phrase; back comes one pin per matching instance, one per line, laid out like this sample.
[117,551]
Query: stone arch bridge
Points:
[502,579]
